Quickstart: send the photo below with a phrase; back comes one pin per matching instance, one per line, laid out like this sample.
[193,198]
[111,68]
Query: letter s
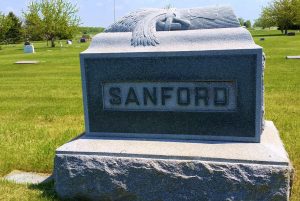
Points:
[115,93]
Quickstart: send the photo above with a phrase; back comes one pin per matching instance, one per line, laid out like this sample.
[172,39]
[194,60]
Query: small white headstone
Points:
[20,177]
[27,62]
[29,49]
[293,57]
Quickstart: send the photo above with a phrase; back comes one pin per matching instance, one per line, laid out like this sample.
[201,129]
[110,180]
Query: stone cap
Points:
[269,152]
[176,41]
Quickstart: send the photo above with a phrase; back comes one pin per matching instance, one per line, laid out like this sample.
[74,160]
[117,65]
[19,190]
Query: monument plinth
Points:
[173,105]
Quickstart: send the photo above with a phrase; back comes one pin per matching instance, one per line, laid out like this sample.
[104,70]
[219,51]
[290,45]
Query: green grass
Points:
[282,79]
[14,192]
[41,107]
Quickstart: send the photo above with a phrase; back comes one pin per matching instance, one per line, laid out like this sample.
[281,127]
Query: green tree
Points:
[257,23]
[2,31]
[267,19]
[5,24]
[14,33]
[33,23]
[281,13]
[242,21]
[51,19]
[297,8]
[248,24]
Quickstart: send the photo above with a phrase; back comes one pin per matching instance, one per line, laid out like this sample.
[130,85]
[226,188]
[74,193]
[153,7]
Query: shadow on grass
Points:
[47,189]
[267,35]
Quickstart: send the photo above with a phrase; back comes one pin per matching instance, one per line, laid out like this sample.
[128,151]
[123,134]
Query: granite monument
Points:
[29,49]
[174,110]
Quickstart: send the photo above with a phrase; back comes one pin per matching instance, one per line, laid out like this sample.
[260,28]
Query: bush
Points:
[86,36]
[91,30]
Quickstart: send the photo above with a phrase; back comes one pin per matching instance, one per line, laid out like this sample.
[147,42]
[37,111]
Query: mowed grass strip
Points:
[41,107]
[14,192]
[282,92]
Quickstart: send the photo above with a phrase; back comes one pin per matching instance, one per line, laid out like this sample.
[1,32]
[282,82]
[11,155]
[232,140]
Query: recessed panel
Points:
[201,96]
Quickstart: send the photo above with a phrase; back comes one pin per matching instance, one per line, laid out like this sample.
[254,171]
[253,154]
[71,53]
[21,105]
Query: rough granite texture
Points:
[105,178]
[84,170]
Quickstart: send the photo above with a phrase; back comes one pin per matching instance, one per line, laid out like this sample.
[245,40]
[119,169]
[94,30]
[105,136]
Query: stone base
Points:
[144,170]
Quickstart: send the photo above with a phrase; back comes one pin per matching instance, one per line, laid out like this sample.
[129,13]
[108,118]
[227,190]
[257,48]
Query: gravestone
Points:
[83,40]
[27,62]
[291,33]
[174,110]
[29,49]
[292,57]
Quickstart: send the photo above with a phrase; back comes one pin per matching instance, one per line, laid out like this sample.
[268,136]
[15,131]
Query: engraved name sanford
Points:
[161,96]
[207,96]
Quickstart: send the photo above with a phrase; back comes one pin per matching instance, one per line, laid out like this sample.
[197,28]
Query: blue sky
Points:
[100,12]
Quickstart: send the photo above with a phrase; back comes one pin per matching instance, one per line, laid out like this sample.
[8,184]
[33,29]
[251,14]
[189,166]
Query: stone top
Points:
[174,30]
[176,41]
[269,152]
[170,19]
[144,23]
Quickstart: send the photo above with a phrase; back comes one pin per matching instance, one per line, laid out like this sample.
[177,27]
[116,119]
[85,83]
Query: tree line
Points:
[11,29]
[245,23]
[43,20]
[284,14]
[58,19]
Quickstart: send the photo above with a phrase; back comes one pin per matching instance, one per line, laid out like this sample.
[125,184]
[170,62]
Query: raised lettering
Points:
[221,96]
[183,96]
[132,97]
[181,100]
[115,93]
[201,94]
[164,95]
[150,96]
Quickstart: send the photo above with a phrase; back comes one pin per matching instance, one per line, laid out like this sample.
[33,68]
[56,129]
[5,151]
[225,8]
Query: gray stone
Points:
[144,23]
[206,96]
[291,34]
[293,57]
[27,62]
[145,170]
[29,49]
[219,55]
[21,177]
[149,109]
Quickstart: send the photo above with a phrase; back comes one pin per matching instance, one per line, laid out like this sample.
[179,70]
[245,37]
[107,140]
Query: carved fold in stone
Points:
[145,23]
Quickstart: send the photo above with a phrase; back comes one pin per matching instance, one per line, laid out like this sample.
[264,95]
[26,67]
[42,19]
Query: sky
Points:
[101,12]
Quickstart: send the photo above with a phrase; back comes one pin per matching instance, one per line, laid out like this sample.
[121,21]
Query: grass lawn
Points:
[41,107]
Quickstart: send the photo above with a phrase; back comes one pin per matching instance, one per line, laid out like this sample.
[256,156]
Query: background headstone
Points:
[29,49]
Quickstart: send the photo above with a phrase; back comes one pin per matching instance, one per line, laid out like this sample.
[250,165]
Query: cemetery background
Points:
[41,107]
